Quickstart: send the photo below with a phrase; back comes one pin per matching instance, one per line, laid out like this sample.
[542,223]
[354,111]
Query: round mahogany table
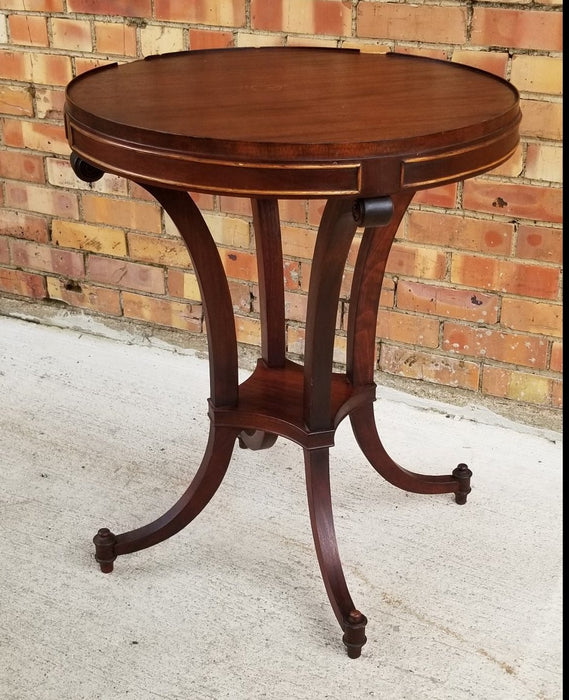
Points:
[363,131]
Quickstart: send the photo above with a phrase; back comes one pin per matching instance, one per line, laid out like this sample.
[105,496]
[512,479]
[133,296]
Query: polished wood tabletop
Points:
[365,132]
[293,121]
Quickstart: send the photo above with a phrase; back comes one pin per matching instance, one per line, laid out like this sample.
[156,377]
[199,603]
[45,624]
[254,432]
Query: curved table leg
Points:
[204,485]
[351,620]
[364,303]
[365,431]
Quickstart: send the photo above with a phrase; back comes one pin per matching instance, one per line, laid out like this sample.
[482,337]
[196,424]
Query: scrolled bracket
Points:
[375,211]
[84,171]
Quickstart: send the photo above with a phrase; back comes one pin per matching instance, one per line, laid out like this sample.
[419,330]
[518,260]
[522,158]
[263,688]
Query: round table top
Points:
[292,121]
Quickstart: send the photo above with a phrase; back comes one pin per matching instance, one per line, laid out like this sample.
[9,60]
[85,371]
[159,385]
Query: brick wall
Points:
[472,297]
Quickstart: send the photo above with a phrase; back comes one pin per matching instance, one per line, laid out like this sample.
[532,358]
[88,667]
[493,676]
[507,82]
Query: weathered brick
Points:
[424,23]
[210,39]
[142,216]
[543,74]
[125,275]
[22,225]
[507,276]
[495,62]
[16,65]
[428,263]
[164,312]
[408,328]
[518,386]
[230,13]
[127,8]
[16,100]
[248,330]
[84,296]
[30,255]
[21,166]
[115,38]
[49,102]
[157,39]
[71,34]
[228,230]
[32,5]
[51,69]
[437,369]
[532,316]
[526,201]
[523,350]
[295,306]
[542,120]
[493,26]
[544,162]
[162,251]
[24,284]
[4,251]
[183,285]
[540,243]
[556,361]
[298,242]
[460,232]
[437,300]
[29,30]
[99,239]
[302,16]
[442,196]
[41,199]
[239,264]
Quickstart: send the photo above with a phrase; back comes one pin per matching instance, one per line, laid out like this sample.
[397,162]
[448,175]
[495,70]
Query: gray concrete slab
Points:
[464,602]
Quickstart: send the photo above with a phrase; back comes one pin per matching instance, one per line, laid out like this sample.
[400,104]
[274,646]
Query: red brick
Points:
[428,263]
[331,17]
[125,275]
[29,30]
[21,166]
[517,386]
[49,103]
[125,213]
[51,69]
[183,285]
[490,61]
[460,232]
[291,272]
[45,200]
[127,8]
[540,243]
[16,65]
[239,264]
[517,29]
[71,34]
[443,196]
[542,120]
[408,328]
[28,254]
[424,23]
[84,296]
[4,251]
[556,361]
[437,300]
[248,330]
[230,13]
[164,312]
[525,201]
[22,283]
[234,205]
[524,350]
[556,393]
[210,39]
[438,369]
[295,306]
[37,136]
[532,316]
[22,225]
[115,38]
[16,100]
[32,5]
[505,276]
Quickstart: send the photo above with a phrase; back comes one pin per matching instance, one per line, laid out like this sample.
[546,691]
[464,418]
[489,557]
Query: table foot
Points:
[365,431]
[350,619]
[256,439]
[354,636]
[204,485]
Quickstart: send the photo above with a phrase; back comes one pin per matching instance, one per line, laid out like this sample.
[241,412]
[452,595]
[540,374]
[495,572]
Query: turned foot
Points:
[104,542]
[354,633]
[462,473]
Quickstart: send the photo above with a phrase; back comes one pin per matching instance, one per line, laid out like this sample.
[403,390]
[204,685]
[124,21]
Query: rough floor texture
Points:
[463,602]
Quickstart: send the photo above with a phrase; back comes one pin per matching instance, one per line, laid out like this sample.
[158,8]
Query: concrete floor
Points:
[463,602]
